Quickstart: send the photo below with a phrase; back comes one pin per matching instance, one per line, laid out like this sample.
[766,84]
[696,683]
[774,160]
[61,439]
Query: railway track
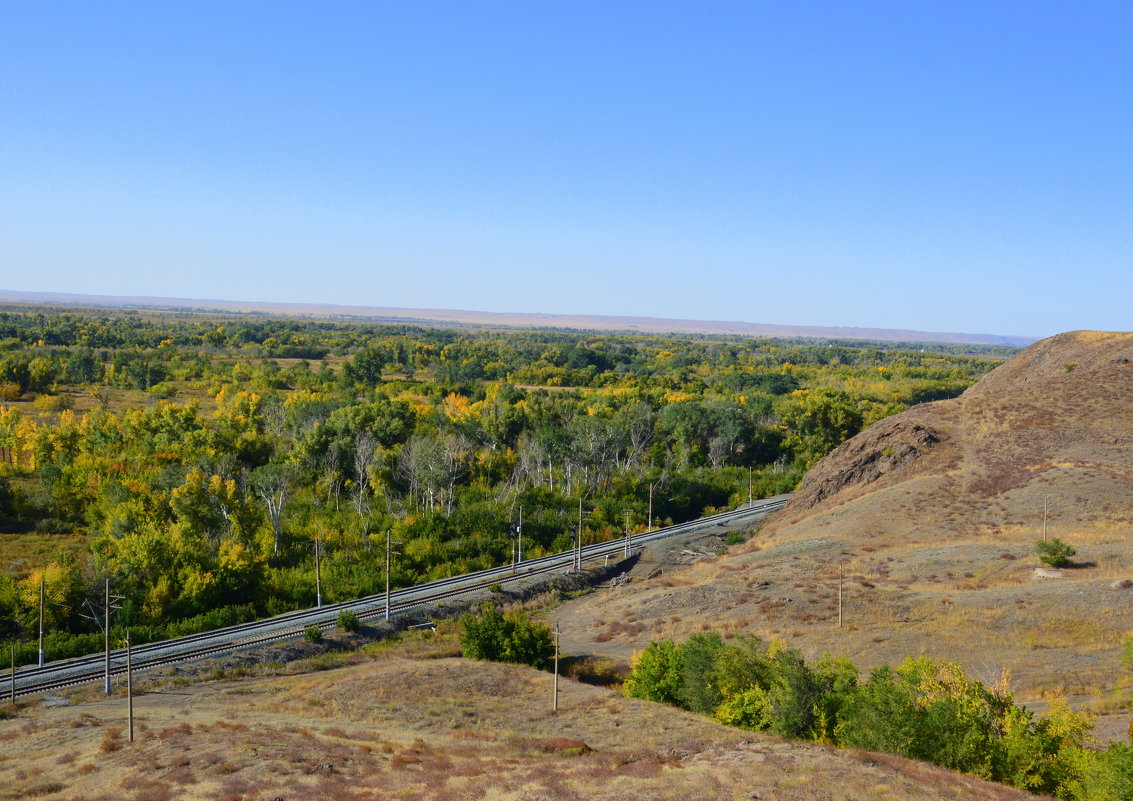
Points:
[80,670]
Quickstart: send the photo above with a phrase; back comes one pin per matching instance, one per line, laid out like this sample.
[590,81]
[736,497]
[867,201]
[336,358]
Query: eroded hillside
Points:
[931,517]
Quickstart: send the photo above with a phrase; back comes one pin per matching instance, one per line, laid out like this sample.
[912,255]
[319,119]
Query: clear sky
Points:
[943,166]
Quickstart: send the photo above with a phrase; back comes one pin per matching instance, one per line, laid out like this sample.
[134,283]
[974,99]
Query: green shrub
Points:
[1054,552]
[736,537]
[496,587]
[750,709]
[925,709]
[794,695]
[696,656]
[513,637]
[656,674]
[348,621]
[313,634]
[1114,778]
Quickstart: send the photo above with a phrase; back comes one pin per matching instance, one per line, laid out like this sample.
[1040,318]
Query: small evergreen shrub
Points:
[348,621]
[1054,552]
[313,634]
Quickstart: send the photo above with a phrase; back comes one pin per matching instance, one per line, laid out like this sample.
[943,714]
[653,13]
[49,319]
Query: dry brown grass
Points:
[427,728]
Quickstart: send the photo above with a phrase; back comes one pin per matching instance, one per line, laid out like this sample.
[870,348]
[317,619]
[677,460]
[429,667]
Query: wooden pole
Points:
[130,684]
[13,693]
[627,533]
[555,706]
[839,595]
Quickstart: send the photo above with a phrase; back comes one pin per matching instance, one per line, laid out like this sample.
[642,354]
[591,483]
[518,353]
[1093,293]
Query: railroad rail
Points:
[84,669]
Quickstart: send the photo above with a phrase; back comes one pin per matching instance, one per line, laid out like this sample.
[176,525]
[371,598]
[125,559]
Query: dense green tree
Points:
[365,368]
[819,421]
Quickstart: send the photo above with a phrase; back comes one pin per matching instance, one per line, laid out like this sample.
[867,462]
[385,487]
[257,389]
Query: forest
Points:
[197,460]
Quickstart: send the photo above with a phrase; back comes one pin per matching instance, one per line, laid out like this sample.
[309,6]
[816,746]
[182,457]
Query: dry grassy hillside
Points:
[933,515]
[426,726]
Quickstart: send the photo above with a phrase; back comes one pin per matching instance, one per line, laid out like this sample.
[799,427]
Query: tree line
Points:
[200,462]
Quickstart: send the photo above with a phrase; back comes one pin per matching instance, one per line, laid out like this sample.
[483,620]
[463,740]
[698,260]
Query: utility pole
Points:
[389,532]
[519,533]
[627,533]
[110,599]
[1046,502]
[130,684]
[41,604]
[839,594]
[654,484]
[578,551]
[511,543]
[318,577]
[13,693]
[106,637]
[555,706]
[750,500]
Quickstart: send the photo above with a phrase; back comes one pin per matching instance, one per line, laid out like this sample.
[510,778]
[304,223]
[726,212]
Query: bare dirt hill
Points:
[1055,420]
[932,516]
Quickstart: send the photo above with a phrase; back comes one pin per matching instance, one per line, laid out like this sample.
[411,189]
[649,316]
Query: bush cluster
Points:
[925,709]
[513,637]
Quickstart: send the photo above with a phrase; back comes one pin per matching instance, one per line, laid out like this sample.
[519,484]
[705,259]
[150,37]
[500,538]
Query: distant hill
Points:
[932,516]
[652,325]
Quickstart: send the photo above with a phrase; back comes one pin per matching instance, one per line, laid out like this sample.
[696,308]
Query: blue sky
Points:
[942,166]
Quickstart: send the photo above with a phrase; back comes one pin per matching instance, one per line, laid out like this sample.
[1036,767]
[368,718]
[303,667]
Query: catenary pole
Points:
[130,684]
[578,546]
[318,576]
[41,609]
[106,638]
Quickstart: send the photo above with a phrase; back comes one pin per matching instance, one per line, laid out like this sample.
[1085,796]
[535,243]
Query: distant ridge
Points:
[651,325]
